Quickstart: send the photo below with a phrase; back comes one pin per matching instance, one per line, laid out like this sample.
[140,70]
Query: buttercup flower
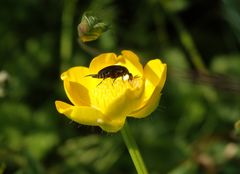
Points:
[107,102]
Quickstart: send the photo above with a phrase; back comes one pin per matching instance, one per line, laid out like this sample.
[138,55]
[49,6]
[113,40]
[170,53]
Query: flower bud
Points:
[91,28]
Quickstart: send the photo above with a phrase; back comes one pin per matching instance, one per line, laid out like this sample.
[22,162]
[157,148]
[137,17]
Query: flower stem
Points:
[133,150]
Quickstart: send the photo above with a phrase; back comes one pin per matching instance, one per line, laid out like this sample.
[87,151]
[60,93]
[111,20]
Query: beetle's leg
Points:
[113,81]
[101,82]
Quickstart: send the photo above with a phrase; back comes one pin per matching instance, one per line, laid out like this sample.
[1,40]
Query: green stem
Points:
[133,150]
[90,50]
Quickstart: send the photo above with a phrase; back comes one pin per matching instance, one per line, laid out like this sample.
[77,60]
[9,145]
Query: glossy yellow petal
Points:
[149,107]
[131,61]
[77,85]
[77,93]
[102,61]
[80,114]
[112,125]
[89,116]
[127,59]
[75,74]
[79,75]
[155,76]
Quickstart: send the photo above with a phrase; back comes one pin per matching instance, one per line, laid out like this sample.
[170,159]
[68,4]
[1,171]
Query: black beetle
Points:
[112,71]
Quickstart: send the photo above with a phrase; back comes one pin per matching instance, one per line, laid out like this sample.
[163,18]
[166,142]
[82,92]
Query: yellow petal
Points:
[112,125]
[102,61]
[75,74]
[127,59]
[77,84]
[77,93]
[131,61]
[89,116]
[149,107]
[155,76]
[80,114]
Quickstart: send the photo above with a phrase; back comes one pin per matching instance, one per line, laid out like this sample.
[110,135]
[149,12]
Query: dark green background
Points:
[192,130]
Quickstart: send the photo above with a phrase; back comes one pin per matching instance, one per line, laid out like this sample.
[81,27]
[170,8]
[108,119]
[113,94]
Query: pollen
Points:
[126,77]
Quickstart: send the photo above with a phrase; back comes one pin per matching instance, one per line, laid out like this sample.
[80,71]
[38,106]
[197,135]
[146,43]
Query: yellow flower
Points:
[107,104]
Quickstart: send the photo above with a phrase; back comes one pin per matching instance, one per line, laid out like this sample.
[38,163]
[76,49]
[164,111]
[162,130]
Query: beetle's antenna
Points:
[136,76]
[92,75]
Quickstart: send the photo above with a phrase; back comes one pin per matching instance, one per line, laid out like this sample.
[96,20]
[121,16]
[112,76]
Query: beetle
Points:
[113,72]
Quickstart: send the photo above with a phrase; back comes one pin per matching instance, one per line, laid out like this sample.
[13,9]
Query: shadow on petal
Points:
[77,93]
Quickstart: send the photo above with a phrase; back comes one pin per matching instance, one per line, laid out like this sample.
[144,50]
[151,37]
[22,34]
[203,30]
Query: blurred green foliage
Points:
[192,130]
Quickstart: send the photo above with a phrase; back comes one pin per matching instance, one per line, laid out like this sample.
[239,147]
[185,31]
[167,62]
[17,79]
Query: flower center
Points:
[115,93]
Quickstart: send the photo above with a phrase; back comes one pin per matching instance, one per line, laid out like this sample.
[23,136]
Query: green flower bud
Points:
[91,28]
